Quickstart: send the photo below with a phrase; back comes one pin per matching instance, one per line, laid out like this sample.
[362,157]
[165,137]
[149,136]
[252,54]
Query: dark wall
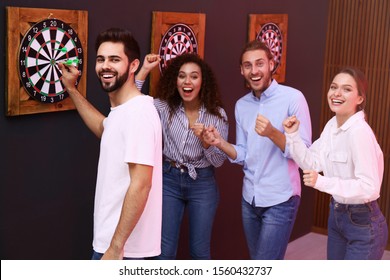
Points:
[48,161]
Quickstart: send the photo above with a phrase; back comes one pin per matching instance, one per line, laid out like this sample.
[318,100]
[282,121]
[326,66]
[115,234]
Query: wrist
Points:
[116,247]
[221,145]
[72,91]
[142,74]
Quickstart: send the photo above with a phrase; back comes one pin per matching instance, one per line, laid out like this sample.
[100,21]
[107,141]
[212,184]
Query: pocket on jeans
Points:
[166,167]
[360,217]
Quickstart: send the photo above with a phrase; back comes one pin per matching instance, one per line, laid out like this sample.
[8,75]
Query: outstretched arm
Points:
[90,115]
[150,61]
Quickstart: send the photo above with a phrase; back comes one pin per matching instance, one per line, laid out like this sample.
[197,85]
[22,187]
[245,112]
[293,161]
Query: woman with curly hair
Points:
[188,101]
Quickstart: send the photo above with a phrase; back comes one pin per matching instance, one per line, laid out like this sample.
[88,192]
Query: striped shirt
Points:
[180,143]
[139,84]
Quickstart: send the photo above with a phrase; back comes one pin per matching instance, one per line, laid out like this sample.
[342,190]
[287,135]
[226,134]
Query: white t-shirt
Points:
[132,134]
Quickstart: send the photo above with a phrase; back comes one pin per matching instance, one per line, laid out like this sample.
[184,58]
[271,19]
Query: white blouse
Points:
[349,157]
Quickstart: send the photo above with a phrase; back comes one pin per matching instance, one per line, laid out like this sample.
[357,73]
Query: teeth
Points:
[336,101]
[256,78]
[108,76]
[187,89]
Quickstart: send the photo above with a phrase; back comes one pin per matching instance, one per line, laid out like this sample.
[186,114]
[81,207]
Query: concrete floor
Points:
[312,246]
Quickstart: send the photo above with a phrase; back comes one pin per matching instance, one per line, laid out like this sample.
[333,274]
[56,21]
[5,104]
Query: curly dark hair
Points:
[209,94]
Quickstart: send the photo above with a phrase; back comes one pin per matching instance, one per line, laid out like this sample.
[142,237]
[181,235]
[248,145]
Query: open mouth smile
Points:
[256,79]
[187,89]
[337,101]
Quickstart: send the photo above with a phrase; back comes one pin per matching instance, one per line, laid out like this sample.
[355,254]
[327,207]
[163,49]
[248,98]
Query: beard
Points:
[260,88]
[118,83]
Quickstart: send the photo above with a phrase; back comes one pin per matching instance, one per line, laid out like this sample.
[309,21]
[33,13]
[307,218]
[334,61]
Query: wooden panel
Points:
[18,102]
[359,35]
[272,29]
[162,22]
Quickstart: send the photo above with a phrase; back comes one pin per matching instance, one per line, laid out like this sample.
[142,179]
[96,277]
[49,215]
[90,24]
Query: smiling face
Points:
[257,68]
[112,66]
[189,82]
[343,97]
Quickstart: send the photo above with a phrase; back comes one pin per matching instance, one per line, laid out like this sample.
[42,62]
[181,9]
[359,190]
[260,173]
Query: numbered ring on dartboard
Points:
[271,35]
[47,43]
[179,39]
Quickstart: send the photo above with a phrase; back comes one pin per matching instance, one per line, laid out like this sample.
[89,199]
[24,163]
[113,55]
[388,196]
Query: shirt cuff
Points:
[320,183]
[139,84]
[290,138]
[209,150]
[238,160]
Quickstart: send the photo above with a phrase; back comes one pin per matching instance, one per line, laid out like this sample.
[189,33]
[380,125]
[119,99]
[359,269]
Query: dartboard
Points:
[271,35]
[179,39]
[47,43]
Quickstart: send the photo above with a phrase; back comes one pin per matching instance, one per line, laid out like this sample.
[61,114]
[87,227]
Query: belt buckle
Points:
[181,167]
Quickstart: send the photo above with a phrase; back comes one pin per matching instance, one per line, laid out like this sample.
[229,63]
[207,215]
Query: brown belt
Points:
[178,165]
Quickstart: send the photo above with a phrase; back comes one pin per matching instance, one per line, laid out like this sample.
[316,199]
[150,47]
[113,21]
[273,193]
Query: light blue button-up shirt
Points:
[270,176]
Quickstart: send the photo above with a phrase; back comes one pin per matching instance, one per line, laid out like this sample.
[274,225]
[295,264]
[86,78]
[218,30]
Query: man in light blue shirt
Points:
[271,186]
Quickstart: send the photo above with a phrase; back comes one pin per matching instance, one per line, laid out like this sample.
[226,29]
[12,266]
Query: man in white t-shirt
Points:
[128,200]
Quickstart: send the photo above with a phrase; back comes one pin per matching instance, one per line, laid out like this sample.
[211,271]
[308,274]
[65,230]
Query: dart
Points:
[71,61]
[62,50]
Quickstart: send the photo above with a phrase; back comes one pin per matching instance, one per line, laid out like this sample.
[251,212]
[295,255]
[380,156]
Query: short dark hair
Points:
[256,45]
[118,35]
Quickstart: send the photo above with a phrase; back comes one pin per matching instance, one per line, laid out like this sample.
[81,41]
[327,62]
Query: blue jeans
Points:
[200,197]
[356,231]
[98,256]
[268,229]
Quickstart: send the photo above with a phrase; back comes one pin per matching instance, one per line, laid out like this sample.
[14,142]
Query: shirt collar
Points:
[360,115]
[269,91]
[201,109]
[352,119]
